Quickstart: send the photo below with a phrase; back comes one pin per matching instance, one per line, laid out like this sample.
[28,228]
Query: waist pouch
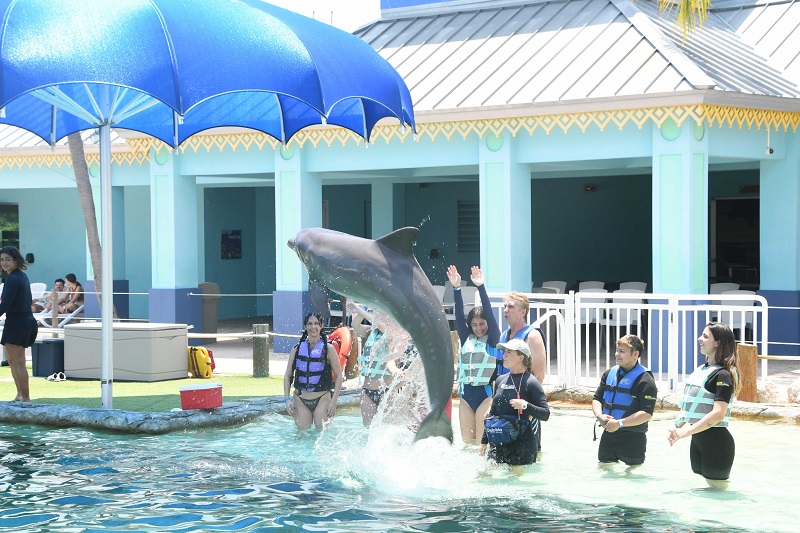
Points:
[504,429]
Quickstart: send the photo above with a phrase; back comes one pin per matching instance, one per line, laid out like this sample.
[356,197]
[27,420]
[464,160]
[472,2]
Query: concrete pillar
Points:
[780,235]
[298,205]
[505,215]
[680,208]
[174,237]
[382,208]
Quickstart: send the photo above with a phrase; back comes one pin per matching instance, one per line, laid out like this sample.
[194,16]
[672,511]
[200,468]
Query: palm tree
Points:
[689,14]
[75,142]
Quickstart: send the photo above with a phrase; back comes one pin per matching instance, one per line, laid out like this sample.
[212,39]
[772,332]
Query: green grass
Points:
[144,397]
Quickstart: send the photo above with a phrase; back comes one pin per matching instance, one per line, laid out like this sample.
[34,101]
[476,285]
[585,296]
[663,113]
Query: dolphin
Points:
[385,274]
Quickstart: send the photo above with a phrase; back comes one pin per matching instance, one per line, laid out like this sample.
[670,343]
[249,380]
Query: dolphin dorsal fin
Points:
[401,241]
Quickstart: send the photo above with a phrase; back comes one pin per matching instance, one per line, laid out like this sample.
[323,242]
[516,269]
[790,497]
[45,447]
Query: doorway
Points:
[734,248]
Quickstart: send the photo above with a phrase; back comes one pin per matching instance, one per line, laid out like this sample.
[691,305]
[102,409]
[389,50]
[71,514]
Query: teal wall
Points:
[347,205]
[52,228]
[231,208]
[137,248]
[604,235]
[265,248]
[433,208]
[727,184]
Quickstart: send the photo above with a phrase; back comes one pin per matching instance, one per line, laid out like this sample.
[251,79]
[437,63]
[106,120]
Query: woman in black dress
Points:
[20,329]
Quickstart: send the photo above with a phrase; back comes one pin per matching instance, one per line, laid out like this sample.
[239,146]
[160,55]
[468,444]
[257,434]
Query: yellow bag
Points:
[200,363]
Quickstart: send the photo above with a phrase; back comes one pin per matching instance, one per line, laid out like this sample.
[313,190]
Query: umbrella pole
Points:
[107,271]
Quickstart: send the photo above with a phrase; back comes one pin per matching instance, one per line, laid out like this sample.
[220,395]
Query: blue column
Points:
[174,238]
[298,205]
[680,221]
[382,208]
[505,211]
[780,239]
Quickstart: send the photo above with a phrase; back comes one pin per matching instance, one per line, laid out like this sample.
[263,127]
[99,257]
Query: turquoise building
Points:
[571,140]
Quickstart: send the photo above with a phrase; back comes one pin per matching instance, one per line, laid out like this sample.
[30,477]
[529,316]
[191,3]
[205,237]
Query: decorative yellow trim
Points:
[711,115]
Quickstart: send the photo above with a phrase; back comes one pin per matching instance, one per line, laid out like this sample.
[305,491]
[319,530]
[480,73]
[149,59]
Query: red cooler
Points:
[205,396]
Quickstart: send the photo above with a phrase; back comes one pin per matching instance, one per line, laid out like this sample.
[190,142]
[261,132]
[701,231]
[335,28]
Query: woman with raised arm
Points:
[477,360]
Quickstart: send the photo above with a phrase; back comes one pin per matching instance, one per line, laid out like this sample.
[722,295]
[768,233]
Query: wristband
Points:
[621,424]
[287,399]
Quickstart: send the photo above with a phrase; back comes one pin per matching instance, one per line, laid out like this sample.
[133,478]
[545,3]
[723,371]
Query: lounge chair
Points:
[45,317]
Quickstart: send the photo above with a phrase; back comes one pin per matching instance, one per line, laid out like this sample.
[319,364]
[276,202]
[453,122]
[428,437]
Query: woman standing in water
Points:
[513,426]
[314,369]
[20,329]
[706,406]
[477,360]
[372,361]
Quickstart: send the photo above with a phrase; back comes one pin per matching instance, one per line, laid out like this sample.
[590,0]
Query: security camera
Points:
[770,151]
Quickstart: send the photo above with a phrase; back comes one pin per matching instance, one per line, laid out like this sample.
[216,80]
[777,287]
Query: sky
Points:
[347,14]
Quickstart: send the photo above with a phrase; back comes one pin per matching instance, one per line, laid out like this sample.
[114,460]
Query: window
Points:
[469,226]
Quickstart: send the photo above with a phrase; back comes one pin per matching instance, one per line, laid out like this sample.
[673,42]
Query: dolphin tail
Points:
[435,425]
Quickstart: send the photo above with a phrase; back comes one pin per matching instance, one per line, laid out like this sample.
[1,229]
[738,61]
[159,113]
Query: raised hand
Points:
[453,276]
[477,276]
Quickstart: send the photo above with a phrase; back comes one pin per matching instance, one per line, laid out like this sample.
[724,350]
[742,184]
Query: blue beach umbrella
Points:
[173,68]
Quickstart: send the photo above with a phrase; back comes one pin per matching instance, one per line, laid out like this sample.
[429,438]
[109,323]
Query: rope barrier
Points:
[225,294]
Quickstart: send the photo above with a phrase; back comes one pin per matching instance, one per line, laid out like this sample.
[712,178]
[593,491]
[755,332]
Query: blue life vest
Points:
[521,335]
[617,393]
[477,362]
[372,359]
[697,402]
[312,371]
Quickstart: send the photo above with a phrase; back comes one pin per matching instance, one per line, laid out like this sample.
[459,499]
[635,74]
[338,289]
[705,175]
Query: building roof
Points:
[504,54]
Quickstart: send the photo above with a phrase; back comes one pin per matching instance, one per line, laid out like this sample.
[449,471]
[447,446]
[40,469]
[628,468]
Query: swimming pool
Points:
[266,477]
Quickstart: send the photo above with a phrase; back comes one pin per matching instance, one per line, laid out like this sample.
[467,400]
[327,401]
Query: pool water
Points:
[267,477]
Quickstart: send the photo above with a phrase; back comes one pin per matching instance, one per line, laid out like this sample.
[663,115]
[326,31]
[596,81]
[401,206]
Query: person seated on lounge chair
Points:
[74,295]
[45,303]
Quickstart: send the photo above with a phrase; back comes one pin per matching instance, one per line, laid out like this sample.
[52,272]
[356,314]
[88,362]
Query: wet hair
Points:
[13,252]
[475,312]
[72,278]
[520,299]
[633,342]
[304,335]
[726,353]
[61,280]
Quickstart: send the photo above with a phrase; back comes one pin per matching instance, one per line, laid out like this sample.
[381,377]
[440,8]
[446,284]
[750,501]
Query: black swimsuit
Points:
[312,403]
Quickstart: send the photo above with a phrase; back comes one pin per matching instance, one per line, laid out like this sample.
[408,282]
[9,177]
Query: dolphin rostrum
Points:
[385,274]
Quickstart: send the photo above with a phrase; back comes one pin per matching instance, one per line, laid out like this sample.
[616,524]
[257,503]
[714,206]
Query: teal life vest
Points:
[371,359]
[476,362]
[618,393]
[697,402]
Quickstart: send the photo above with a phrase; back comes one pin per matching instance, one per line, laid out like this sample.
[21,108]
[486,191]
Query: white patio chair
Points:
[719,288]
[589,316]
[739,320]
[559,286]
[583,285]
[635,285]
[38,290]
[622,317]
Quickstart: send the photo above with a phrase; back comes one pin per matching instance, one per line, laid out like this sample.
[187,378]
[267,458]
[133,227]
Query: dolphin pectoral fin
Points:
[319,300]
[435,425]
[401,241]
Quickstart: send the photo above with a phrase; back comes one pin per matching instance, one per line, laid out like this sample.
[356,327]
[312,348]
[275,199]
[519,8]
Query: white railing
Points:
[581,330]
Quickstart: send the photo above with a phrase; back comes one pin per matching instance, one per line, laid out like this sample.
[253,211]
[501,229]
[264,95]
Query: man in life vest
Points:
[623,404]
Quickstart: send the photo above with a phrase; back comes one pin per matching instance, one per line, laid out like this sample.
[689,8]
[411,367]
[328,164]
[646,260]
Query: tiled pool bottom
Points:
[266,477]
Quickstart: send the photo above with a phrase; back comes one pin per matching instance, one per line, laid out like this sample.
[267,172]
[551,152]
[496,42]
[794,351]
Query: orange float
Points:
[342,341]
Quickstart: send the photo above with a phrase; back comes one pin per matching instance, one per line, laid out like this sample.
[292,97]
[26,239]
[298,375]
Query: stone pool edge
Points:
[238,413]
